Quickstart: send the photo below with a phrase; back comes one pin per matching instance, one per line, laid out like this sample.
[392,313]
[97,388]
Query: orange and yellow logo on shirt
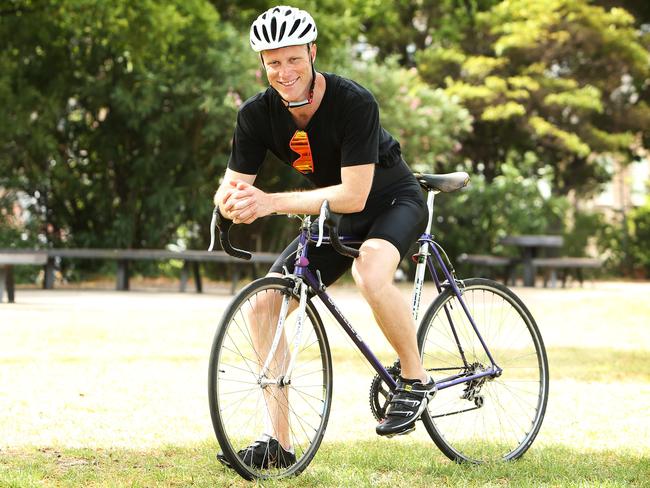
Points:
[300,144]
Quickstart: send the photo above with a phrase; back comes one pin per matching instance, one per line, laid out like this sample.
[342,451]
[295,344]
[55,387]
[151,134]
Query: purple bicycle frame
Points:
[301,270]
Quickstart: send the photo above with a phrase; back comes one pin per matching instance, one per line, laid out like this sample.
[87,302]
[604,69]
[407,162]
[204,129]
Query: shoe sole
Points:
[404,432]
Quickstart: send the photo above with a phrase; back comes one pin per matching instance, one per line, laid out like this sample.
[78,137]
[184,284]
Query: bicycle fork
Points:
[285,379]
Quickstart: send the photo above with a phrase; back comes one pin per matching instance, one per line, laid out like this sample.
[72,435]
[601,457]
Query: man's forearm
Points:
[309,202]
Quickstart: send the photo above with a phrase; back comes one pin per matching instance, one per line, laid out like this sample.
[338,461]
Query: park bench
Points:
[484,264]
[566,265]
[7,262]
[123,257]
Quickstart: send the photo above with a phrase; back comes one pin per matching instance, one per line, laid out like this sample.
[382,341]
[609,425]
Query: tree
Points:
[118,115]
[562,78]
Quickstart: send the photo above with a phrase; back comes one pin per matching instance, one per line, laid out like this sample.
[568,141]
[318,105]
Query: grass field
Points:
[100,388]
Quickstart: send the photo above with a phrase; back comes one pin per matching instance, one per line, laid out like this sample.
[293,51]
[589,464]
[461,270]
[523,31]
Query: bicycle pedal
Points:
[222,459]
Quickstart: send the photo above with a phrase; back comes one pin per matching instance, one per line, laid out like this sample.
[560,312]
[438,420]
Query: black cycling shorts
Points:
[399,219]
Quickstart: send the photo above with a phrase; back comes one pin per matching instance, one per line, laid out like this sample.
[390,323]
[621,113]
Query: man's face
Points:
[289,70]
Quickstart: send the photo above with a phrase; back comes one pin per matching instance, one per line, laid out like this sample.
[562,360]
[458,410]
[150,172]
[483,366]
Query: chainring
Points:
[380,394]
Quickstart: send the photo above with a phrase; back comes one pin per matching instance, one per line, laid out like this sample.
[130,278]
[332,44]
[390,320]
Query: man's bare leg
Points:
[263,318]
[373,273]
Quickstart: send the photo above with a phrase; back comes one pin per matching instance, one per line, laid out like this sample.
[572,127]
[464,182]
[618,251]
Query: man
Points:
[327,127]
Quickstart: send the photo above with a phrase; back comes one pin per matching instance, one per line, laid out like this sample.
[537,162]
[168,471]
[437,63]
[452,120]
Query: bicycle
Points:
[490,402]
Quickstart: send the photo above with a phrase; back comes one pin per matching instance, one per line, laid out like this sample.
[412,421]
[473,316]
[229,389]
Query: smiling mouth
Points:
[288,83]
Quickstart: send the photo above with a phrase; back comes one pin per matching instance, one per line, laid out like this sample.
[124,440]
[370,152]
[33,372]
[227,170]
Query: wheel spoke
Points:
[244,408]
[508,410]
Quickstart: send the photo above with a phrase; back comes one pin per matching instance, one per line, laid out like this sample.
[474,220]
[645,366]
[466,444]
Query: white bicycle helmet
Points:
[282,26]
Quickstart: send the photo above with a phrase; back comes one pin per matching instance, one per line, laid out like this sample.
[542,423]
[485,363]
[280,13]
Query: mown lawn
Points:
[108,389]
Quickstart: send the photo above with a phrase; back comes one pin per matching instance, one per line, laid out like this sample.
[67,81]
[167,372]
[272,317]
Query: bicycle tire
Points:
[500,418]
[232,374]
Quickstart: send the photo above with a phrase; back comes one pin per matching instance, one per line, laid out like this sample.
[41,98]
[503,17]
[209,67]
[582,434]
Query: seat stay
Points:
[450,280]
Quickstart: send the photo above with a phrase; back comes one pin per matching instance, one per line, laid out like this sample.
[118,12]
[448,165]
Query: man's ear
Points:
[313,51]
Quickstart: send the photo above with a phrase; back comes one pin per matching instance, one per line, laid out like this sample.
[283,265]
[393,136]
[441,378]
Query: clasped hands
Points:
[244,203]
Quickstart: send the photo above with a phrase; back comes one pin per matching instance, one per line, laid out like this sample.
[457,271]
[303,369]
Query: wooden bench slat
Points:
[11,257]
[567,262]
[34,257]
[485,259]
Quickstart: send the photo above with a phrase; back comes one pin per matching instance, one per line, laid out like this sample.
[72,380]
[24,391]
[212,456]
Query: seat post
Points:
[422,255]
[430,199]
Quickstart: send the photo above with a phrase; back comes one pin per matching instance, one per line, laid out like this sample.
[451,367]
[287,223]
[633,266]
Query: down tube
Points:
[356,338]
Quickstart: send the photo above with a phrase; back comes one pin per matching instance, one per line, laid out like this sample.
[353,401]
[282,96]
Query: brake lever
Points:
[213,225]
[321,224]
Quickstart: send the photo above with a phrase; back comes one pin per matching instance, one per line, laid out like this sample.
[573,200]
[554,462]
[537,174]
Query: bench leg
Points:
[235,279]
[3,278]
[122,275]
[580,277]
[184,275]
[11,290]
[48,278]
[197,276]
[553,278]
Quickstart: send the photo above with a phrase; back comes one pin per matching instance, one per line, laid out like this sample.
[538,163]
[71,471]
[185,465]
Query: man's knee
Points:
[375,266]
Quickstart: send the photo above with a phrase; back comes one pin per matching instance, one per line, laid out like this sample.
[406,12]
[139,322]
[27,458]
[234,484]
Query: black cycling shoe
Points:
[406,406]
[264,453]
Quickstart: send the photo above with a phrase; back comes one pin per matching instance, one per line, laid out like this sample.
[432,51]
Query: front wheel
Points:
[246,405]
[494,417]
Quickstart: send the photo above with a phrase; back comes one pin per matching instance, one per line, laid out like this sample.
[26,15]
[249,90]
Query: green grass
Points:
[107,370]
[378,464]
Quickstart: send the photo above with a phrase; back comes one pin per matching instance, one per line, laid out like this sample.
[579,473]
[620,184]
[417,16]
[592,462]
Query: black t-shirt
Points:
[344,131]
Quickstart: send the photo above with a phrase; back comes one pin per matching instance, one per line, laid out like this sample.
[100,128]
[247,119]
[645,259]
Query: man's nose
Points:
[284,72]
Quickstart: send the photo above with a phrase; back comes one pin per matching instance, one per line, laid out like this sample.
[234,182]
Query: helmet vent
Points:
[305,31]
[282,29]
[265,34]
[274,28]
[296,24]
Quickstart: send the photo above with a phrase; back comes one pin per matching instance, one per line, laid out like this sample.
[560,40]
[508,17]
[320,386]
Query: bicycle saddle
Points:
[445,183]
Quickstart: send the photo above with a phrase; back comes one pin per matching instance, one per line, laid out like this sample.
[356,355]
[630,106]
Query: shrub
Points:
[516,202]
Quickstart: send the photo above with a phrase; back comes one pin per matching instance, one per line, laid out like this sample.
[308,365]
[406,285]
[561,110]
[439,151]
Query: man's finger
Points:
[242,185]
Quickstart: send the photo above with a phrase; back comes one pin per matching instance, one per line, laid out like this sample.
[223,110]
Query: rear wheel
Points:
[495,417]
[243,405]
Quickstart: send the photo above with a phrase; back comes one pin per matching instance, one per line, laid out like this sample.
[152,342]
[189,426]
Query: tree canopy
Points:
[118,116]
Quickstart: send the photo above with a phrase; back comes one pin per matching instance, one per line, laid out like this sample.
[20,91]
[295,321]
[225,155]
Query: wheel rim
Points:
[245,407]
[495,419]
